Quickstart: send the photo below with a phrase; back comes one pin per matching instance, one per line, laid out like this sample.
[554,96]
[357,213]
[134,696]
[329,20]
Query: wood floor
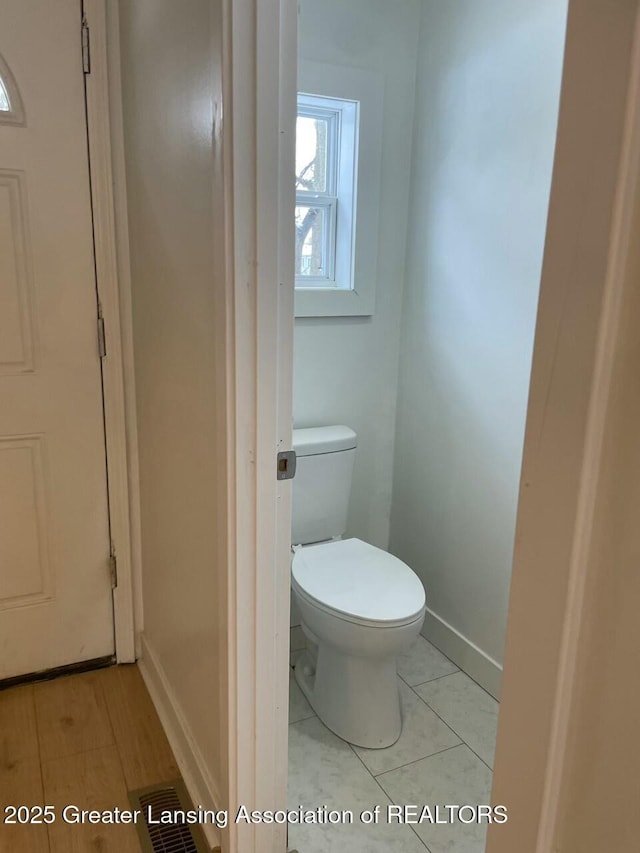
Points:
[80,739]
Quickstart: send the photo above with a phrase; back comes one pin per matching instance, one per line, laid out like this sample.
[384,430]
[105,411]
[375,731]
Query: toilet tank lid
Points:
[314,441]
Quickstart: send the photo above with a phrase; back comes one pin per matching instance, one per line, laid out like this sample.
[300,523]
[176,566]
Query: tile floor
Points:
[444,755]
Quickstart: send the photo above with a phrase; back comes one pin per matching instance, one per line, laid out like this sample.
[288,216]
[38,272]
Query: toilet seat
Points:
[357,582]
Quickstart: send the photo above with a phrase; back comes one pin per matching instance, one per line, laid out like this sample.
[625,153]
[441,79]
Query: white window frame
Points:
[352,291]
[339,199]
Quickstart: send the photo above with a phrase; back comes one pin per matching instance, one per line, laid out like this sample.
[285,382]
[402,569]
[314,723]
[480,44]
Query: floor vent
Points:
[175,837]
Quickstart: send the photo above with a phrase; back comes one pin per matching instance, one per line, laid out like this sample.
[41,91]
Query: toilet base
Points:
[356,697]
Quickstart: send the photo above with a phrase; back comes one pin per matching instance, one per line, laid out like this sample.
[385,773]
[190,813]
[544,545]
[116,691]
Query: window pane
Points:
[312,135]
[311,225]
[5,107]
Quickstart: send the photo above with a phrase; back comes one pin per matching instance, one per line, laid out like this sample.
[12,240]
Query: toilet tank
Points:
[322,484]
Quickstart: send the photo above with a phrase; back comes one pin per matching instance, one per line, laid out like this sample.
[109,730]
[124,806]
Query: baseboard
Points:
[202,788]
[138,645]
[465,654]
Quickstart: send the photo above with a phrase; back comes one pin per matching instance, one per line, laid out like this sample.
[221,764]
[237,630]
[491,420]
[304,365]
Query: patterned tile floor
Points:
[443,756]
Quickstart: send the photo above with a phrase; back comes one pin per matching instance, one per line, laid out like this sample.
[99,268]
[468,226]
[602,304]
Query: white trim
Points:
[465,654]
[259,72]
[238,133]
[616,283]
[126,308]
[200,784]
[99,134]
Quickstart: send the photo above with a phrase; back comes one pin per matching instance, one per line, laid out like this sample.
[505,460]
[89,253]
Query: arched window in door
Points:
[11,108]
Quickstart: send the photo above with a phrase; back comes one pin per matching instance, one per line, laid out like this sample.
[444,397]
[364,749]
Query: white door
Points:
[55,585]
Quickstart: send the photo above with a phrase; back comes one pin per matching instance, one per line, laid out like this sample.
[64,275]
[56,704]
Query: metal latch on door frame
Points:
[286,467]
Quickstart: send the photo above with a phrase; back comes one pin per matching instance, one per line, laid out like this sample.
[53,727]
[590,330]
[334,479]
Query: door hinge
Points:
[113,567]
[102,341]
[286,465]
[86,48]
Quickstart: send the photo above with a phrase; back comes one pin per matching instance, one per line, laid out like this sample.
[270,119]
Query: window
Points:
[11,109]
[338,163]
[5,107]
[326,160]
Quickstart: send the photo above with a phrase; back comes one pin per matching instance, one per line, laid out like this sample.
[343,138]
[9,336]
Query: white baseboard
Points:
[465,654]
[138,645]
[200,785]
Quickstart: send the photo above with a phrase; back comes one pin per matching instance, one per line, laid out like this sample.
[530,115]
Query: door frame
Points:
[113,288]
[259,79]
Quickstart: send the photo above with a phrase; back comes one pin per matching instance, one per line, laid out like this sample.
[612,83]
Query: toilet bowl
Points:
[359,607]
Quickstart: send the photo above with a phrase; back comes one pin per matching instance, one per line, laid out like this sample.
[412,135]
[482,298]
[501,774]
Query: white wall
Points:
[345,368]
[169,80]
[486,114]
[574,634]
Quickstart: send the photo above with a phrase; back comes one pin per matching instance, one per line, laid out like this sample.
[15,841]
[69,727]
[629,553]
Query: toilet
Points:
[359,606]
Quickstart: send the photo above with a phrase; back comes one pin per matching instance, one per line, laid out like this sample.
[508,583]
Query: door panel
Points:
[24,547]
[55,589]
[15,287]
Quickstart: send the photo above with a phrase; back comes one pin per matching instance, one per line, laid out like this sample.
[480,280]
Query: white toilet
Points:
[359,606]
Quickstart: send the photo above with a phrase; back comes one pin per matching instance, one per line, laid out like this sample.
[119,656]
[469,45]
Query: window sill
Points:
[331,302]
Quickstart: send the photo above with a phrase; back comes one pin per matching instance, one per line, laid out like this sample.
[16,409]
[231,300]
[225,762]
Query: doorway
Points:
[454,151]
[259,318]
[56,605]
[259,366]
